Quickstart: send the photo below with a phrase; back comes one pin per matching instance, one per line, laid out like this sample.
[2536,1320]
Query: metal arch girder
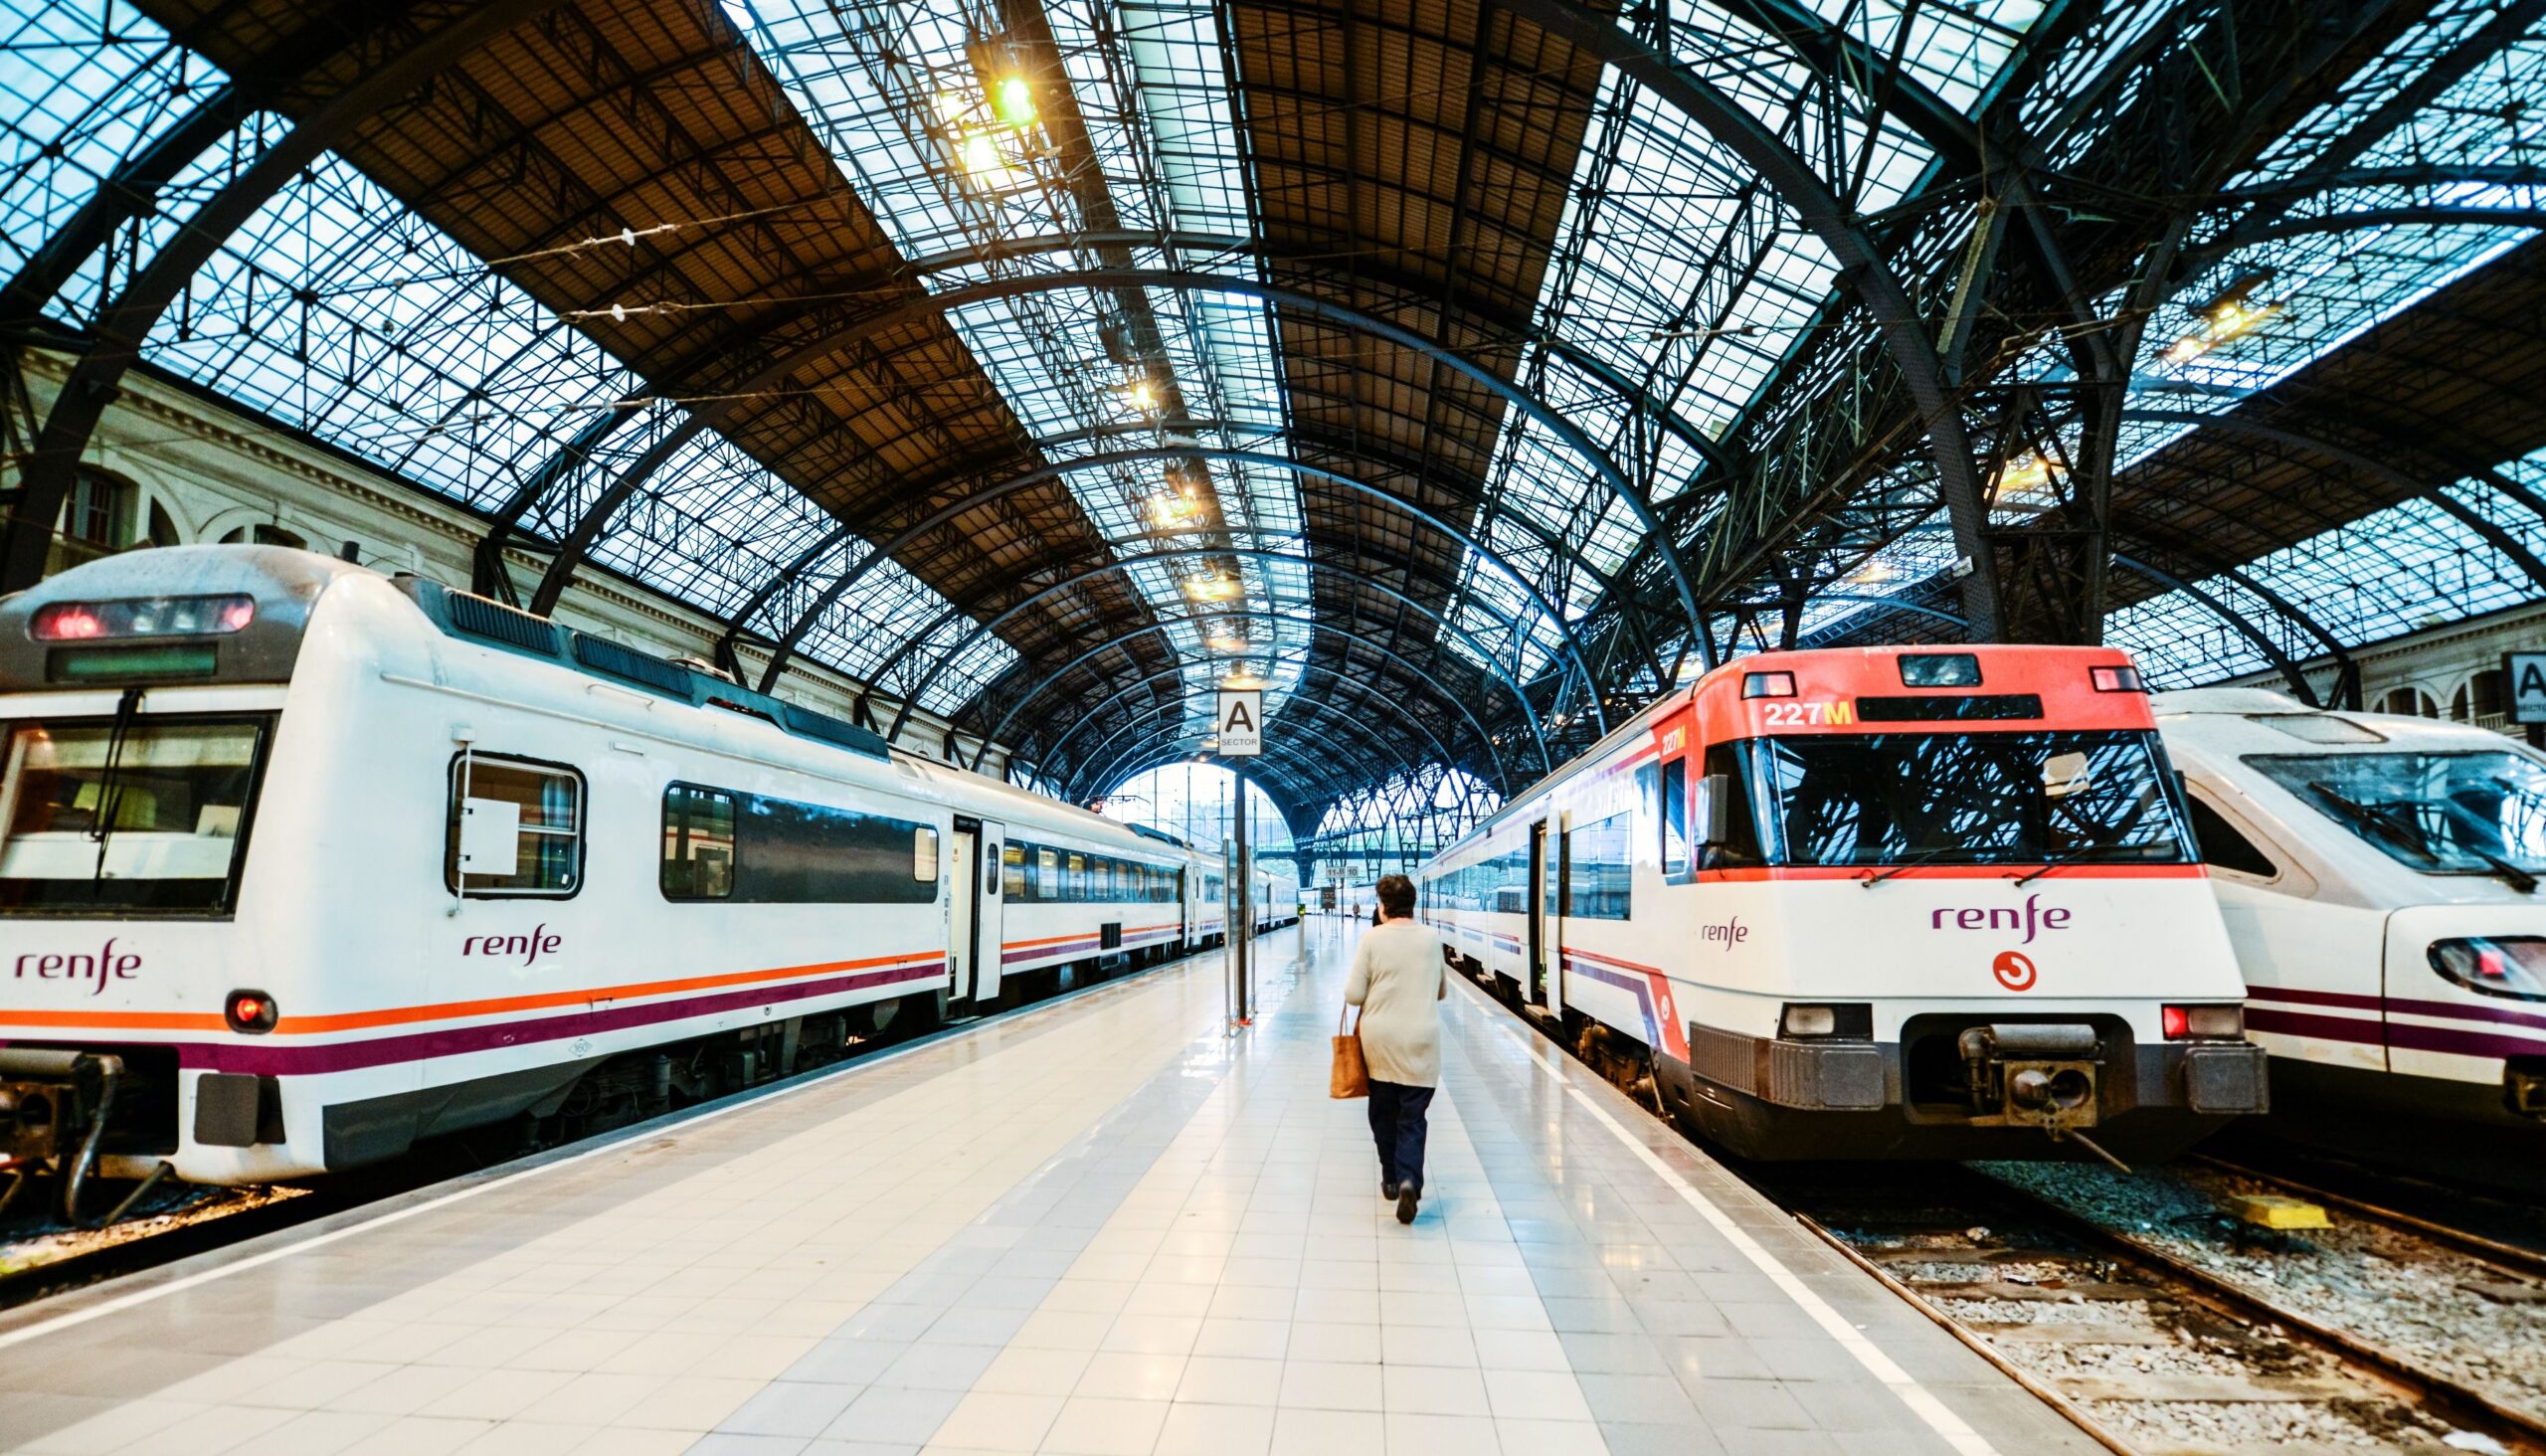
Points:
[562,566]
[1291,757]
[1254,247]
[2245,627]
[2341,455]
[51,468]
[1538,598]
[1862,269]
[1426,678]
[786,642]
[1158,717]
[1957,139]
[1330,628]
[1366,693]
[1609,583]
[1125,562]
[1159,733]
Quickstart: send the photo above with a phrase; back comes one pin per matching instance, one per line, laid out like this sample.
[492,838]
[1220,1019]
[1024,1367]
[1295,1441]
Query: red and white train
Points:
[299,863]
[1889,902]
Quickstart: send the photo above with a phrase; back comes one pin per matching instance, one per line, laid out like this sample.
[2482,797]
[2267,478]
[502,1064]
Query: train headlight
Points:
[1824,1021]
[147,617]
[2511,966]
[2204,1023]
[248,1011]
[2116,679]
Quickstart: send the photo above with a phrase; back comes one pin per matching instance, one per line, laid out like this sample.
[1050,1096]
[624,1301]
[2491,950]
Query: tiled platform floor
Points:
[1098,1227]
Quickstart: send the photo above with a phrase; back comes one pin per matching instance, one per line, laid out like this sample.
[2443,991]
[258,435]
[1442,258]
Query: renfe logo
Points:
[108,964]
[529,947]
[2000,917]
[2014,970]
[1728,935]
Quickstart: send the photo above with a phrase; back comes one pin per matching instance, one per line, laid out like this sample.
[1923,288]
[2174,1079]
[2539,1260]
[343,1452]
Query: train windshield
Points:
[2439,812]
[1902,799]
[140,818]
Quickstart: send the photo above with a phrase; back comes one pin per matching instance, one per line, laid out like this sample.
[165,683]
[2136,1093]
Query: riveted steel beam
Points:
[1314,628]
[1363,692]
[1861,268]
[588,529]
[978,631]
[52,467]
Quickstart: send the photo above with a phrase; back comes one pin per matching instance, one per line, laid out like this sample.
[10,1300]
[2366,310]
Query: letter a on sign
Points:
[1241,723]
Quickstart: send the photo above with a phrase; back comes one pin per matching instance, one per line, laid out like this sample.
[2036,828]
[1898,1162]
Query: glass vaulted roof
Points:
[340,312]
[950,129]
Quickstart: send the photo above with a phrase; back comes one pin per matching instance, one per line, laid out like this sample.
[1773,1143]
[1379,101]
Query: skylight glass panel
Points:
[949,144]
[73,103]
[2409,566]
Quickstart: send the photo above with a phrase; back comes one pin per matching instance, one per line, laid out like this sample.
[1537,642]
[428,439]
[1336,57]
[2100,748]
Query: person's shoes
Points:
[1387,1187]
[1406,1198]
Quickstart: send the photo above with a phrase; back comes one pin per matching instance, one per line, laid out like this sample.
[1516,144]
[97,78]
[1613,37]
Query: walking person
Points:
[1398,980]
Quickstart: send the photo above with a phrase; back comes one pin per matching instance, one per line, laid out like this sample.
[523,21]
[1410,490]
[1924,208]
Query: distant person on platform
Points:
[1398,982]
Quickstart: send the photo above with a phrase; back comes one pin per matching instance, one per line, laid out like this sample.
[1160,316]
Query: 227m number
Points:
[1797,715]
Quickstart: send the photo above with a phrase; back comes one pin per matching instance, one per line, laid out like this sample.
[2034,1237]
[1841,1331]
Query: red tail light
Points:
[1768,684]
[249,1011]
[76,621]
[2203,1023]
[2116,679]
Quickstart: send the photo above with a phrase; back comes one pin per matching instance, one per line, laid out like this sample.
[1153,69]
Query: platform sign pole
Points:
[1238,733]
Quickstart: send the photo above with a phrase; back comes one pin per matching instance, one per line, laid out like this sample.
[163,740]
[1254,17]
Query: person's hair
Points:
[1396,897]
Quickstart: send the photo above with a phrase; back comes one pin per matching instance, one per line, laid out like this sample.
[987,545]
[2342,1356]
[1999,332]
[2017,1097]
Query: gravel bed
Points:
[2121,1362]
[2385,1288]
[2115,1312]
[2166,1424]
[29,1242]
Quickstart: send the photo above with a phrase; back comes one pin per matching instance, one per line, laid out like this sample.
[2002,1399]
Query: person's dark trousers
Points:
[1398,1125]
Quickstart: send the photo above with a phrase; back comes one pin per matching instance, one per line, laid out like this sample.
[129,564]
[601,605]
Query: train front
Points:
[1973,921]
[140,699]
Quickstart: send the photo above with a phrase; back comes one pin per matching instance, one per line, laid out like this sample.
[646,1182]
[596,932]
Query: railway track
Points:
[2149,1350]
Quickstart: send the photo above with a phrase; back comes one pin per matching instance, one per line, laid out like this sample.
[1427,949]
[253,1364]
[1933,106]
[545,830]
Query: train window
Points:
[151,821]
[1599,875]
[1048,875]
[1741,843]
[1077,878]
[698,844]
[1675,817]
[523,825]
[924,855]
[1012,871]
[2222,846]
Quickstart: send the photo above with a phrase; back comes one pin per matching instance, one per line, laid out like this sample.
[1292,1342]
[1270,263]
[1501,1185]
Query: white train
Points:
[1875,903]
[2380,876]
[299,863]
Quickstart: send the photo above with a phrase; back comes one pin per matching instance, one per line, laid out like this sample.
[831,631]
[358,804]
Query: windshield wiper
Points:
[2072,857]
[110,778]
[1870,880]
[2387,823]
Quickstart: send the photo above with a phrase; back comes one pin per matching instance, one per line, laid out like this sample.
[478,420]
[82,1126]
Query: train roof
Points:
[285,585]
[2244,720]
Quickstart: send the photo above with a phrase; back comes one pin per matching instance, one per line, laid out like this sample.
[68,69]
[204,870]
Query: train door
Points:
[989,907]
[1559,871]
[964,909]
[1544,856]
[1550,893]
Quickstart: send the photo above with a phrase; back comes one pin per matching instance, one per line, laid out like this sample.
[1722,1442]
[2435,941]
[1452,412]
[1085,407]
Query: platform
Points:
[1099,1226]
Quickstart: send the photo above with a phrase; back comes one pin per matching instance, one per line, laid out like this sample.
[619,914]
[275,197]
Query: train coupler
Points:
[2027,1074]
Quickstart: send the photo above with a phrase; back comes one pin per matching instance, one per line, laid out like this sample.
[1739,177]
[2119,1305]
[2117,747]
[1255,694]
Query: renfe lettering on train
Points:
[529,947]
[2003,917]
[108,964]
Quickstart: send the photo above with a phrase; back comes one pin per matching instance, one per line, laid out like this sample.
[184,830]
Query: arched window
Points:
[263,534]
[2478,700]
[2410,701]
[96,520]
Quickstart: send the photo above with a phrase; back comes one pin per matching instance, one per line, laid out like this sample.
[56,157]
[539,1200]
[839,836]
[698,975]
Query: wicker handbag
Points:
[1350,1075]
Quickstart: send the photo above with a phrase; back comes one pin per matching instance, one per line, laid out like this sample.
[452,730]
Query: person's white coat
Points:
[1398,983]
